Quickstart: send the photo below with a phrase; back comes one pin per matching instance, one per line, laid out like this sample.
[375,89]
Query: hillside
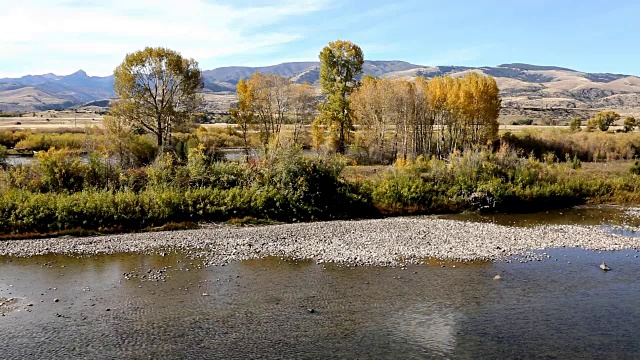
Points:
[49,91]
[524,87]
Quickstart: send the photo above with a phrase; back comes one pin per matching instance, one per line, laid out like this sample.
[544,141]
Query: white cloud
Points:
[96,35]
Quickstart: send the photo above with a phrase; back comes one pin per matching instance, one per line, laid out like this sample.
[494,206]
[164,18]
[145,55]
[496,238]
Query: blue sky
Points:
[62,36]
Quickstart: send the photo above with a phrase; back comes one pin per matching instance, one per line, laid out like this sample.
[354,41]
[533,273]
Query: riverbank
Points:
[60,194]
[382,242]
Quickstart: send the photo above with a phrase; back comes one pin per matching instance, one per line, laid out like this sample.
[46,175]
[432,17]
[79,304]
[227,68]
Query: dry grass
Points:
[607,169]
[48,120]
[587,146]
[359,173]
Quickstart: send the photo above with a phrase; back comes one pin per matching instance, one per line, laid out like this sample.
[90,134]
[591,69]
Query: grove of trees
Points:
[384,118]
[402,119]
[266,102]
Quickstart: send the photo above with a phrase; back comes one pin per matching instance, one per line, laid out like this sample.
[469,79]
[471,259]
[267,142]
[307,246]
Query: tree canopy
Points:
[340,65]
[603,120]
[630,123]
[157,90]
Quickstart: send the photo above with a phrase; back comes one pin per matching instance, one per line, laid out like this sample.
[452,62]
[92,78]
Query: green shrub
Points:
[522,122]
[59,171]
[603,120]
[507,181]
[9,139]
[60,192]
[3,156]
[100,173]
[163,171]
[575,124]
[630,124]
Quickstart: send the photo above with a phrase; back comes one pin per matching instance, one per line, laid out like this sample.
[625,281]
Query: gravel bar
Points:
[381,242]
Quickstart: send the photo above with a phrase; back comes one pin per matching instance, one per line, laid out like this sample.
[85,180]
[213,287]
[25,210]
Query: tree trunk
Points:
[159,132]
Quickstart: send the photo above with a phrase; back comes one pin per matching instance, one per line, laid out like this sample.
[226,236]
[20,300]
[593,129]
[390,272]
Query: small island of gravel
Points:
[382,242]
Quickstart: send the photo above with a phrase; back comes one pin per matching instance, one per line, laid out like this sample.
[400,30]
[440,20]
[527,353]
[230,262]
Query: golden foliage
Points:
[424,117]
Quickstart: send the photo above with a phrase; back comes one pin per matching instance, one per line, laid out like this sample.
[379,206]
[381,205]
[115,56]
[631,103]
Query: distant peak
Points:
[79,73]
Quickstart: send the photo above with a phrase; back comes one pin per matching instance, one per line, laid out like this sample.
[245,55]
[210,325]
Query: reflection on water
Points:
[624,230]
[273,308]
[229,154]
[432,329]
[16,160]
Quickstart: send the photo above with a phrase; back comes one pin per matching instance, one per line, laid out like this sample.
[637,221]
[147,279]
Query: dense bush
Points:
[575,124]
[3,156]
[630,124]
[503,180]
[62,191]
[9,139]
[603,120]
[522,122]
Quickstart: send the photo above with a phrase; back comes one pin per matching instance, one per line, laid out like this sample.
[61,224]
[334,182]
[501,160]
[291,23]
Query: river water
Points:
[229,154]
[170,307]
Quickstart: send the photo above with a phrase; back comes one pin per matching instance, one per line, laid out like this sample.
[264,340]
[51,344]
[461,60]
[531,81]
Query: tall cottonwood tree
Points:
[340,65]
[157,90]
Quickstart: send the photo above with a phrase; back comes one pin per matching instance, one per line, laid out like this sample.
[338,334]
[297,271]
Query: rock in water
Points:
[604,267]
[497,277]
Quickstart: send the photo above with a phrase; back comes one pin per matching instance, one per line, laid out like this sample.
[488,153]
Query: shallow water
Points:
[229,154]
[260,309]
[615,219]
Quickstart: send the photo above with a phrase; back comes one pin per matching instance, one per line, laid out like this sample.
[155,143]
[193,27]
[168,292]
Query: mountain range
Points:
[522,85]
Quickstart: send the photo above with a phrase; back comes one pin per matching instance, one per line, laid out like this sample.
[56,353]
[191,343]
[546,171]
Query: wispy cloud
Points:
[59,34]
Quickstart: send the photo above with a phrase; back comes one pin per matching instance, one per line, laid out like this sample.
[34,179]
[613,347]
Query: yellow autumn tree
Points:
[435,117]
[243,113]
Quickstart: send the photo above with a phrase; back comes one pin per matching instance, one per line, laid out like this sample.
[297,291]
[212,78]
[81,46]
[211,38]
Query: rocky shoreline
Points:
[7,305]
[381,242]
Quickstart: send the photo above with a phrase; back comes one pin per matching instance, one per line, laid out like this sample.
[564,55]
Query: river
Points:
[169,307]
[229,154]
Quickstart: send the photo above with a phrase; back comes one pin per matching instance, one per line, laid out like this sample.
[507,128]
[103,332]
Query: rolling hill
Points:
[523,87]
[49,91]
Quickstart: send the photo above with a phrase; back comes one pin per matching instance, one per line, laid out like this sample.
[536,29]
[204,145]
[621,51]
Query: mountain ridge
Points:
[521,85]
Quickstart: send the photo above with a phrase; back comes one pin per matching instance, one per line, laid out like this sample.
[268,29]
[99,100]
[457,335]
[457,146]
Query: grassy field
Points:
[51,121]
